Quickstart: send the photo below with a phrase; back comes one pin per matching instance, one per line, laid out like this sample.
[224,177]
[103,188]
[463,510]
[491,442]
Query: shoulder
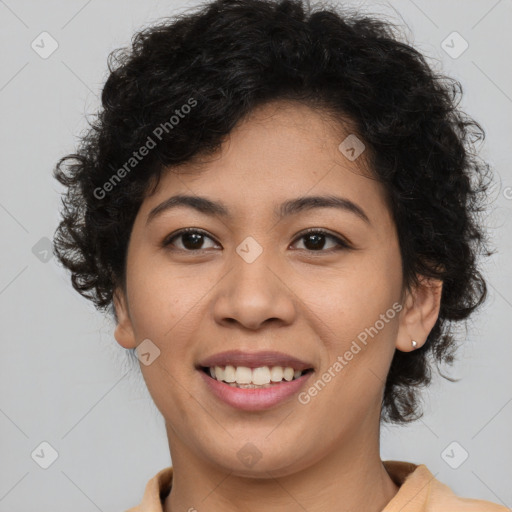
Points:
[420,491]
[157,488]
[443,498]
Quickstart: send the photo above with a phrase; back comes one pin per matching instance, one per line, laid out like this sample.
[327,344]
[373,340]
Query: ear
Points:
[123,332]
[420,313]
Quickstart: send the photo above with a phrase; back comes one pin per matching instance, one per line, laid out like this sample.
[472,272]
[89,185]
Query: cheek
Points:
[354,297]
[357,322]
[159,296]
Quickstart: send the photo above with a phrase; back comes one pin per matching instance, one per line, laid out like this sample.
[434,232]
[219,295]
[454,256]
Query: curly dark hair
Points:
[227,58]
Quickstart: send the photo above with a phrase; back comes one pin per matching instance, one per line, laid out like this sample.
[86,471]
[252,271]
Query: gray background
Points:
[64,379]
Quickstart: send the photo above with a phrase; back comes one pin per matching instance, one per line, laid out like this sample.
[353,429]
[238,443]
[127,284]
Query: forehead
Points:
[280,151]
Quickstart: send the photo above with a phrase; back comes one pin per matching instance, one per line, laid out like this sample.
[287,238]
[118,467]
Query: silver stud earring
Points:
[414,343]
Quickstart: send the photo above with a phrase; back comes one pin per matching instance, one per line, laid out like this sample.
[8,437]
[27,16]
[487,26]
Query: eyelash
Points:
[342,244]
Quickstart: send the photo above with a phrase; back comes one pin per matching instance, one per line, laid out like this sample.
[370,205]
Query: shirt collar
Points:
[413,480]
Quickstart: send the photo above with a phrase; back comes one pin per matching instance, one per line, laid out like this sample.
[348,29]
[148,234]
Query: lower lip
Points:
[254,399]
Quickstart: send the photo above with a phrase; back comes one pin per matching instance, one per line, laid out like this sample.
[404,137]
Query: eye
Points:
[316,241]
[192,239]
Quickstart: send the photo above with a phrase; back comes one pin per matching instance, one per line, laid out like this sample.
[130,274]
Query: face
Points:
[251,280]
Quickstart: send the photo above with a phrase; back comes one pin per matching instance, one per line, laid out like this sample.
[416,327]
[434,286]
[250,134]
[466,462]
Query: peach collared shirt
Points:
[419,491]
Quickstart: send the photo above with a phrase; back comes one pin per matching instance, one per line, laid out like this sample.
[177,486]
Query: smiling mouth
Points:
[253,378]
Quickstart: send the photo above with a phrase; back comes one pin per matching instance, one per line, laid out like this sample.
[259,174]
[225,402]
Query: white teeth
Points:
[276,374]
[243,375]
[229,373]
[263,376]
[219,373]
[288,374]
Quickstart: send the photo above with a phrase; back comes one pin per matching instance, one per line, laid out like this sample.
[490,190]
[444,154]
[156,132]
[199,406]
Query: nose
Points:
[255,292]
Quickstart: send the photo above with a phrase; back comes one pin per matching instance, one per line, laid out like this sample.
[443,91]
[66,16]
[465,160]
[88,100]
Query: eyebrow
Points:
[290,207]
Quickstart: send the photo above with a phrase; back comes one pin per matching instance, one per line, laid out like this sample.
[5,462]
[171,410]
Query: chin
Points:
[250,461]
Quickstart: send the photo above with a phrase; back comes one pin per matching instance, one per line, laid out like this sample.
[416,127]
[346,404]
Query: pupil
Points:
[316,245]
[197,240]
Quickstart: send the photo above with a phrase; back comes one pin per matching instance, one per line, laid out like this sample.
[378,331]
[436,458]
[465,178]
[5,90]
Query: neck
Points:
[349,478]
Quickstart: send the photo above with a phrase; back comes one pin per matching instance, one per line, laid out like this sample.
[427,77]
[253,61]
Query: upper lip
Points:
[254,360]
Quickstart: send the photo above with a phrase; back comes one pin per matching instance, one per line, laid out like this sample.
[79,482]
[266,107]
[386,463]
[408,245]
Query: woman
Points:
[278,206]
